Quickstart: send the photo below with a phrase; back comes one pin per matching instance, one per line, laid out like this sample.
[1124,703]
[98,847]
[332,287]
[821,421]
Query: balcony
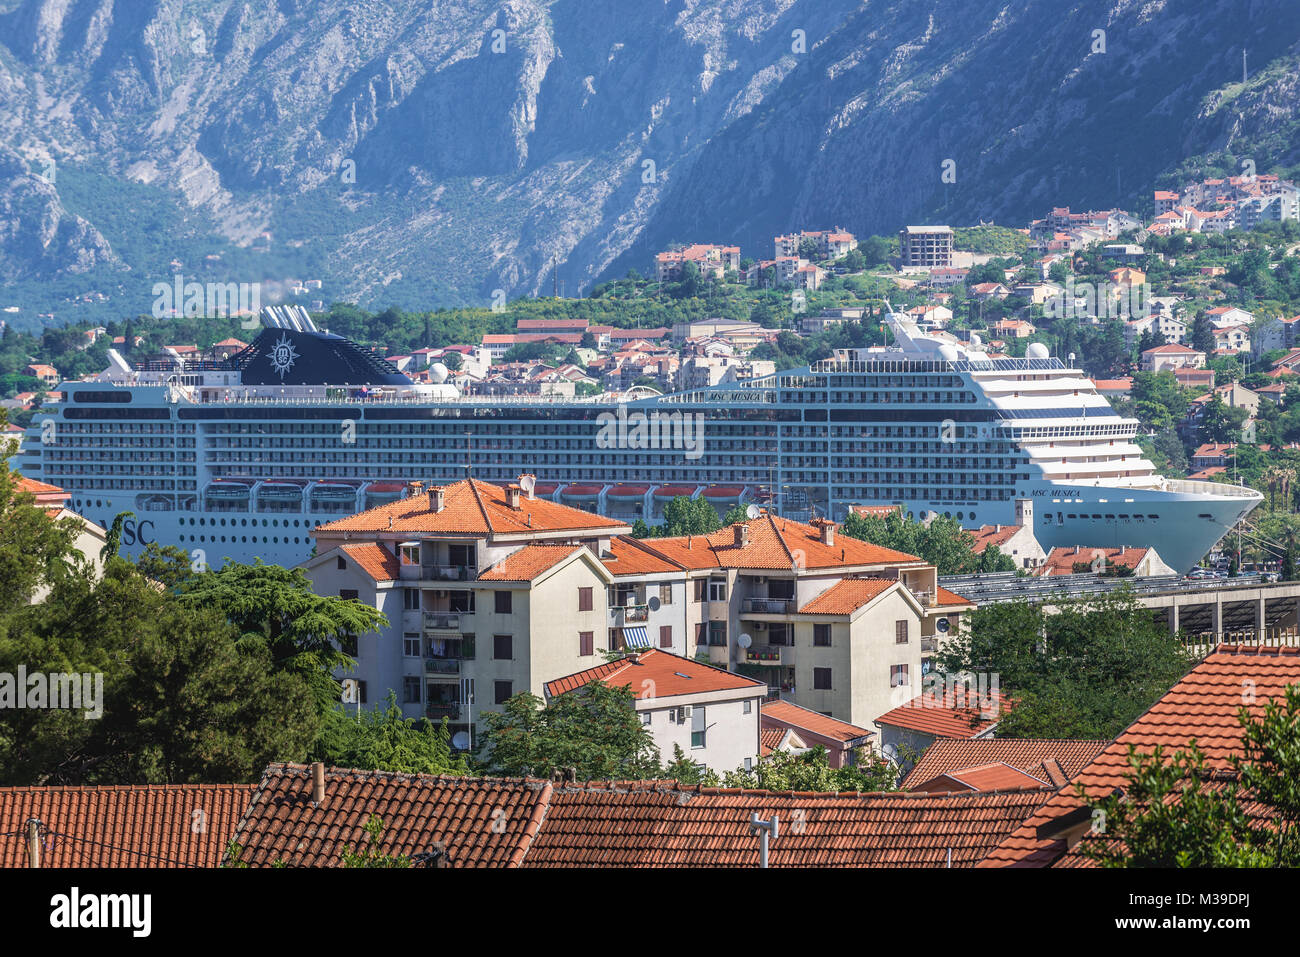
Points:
[929,644]
[629,614]
[448,573]
[437,711]
[763,656]
[769,606]
[442,666]
[445,620]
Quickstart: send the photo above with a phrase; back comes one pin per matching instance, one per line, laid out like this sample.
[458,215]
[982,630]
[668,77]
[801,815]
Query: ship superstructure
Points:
[241,458]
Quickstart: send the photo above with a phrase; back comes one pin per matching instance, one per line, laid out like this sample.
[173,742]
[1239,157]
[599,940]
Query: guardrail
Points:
[1006,586]
[445,620]
[768,606]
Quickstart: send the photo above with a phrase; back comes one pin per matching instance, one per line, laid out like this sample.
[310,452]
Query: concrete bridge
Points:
[1245,609]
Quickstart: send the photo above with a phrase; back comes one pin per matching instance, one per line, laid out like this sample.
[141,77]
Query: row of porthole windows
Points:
[243,539]
[244,522]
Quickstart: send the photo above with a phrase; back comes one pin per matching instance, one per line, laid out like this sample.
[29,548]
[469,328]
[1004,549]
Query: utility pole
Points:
[34,843]
[767,831]
[555,277]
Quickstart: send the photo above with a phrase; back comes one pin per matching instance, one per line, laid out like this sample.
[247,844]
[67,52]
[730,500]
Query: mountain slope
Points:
[422,156]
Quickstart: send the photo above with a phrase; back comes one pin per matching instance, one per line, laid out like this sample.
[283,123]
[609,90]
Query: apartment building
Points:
[488,591]
[714,261]
[711,714]
[925,246]
[831,243]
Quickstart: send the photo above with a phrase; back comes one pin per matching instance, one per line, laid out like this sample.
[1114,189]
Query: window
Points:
[411,690]
[821,636]
[584,599]
[748,707]
[701,634]
[348,645]
[897,676]
[503,605]
[665,636]
[411,599]
[666,594]
[410,554]
[503,647]
[749,764]
[586,643]
[645,718]
[411,645]
[718,634]
[501,691]
[700,586]
[342,565]
[361,691]
[717,589]
[348,594]
[821,679]
[900,631]
[699,728]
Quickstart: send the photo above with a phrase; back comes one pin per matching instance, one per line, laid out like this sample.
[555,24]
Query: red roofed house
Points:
[1203,706]
[46,373]
[480,583]
[959,764]
[712,715]
[958,709]
[1143,561]
[812,729]
[1172,356]
[1017,541]
[90,538]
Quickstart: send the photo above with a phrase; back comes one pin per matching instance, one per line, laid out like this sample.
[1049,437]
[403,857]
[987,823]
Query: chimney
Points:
[1076,549]
[318,783]
[413,489]
[529,485]
[437,496]
[827,529]
[741,531]
[997,528]
[512,496]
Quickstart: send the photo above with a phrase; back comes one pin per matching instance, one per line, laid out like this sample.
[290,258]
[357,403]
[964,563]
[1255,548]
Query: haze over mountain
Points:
[391,151]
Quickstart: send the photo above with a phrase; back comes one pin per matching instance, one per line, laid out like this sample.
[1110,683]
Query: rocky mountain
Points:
[425,153]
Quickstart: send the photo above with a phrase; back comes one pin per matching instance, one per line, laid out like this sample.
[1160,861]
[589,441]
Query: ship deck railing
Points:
[994,587]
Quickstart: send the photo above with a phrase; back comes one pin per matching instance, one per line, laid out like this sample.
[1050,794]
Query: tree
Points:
[275,609]
[1182,813]
[1202,334]
[594,730]
[737,513]
[1221,422]
[1085,672]
[942,542]
[167,564]
[684,515]
[370,855]
[811,771]
[383,740]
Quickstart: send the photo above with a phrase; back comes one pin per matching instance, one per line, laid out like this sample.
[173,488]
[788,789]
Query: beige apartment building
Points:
[925,246]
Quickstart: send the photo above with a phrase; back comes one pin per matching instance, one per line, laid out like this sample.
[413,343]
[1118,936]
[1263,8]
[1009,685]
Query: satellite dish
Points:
[941,625]
[653,603]
[744,640]
[752,511]
[527,483]
[460,741]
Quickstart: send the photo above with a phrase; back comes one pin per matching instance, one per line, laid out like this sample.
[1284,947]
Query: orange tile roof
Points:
[987,535]
[657,673]
[847,596]
[943,598]
[528,563]
[629,557]
[1203,705]
[483,822]
[769,739]
[947,713]
[986,777]
[471,507]
[775,543]
[1027,754]
[122,826]
[786,714]
[663,824]
[374,559]
[1061,560]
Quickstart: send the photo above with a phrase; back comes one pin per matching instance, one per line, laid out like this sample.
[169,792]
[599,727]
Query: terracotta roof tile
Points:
[847,596]
[985,777]
[483,822]
[122,826]
[1061,560]
[786,714]
[528,563]
[775,543]
[1203,705]
[471,507]
[662,824]
[947,713]
[1027,754]
[657,673]
[374,559]
[629,557]
[943,598]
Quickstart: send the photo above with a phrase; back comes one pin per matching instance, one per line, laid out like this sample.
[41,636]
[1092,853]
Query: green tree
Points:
[371,854]
[1085,672]
[811,771]
[1221,422]
[735,515]
[381,739]
[275,609]
[687,516]
[595,730]
[942,542]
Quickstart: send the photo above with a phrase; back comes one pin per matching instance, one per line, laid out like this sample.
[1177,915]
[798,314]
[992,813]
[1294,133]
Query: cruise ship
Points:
[240,459]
